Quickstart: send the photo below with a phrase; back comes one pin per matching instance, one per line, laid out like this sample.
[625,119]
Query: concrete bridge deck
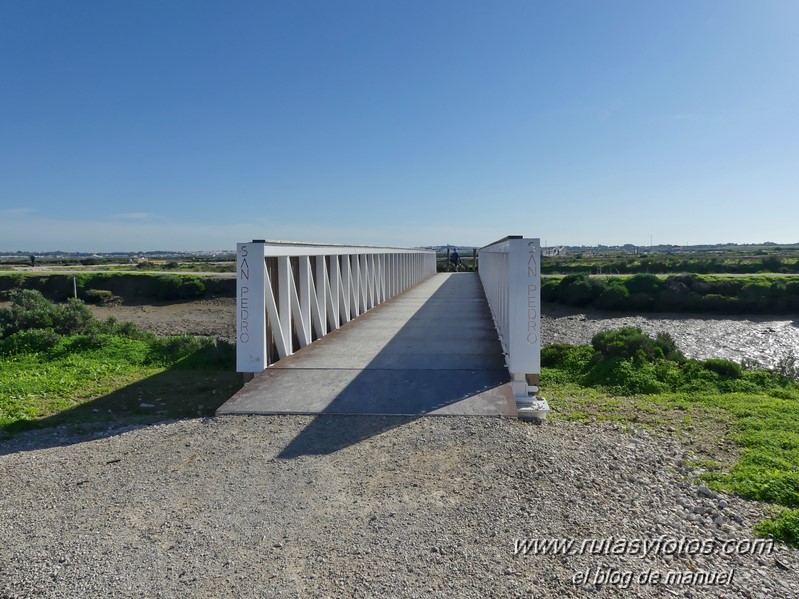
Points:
[430,350]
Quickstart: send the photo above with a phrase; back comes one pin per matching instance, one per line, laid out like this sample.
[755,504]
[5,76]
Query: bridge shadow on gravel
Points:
[444,360]
[173,394]
[329,433]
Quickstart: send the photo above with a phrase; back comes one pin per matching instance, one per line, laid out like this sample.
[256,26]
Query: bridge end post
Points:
[250,313]
[524,351]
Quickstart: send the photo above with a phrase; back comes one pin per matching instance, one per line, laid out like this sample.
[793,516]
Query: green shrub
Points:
[549,290]
[631,343]
[168,287]
[173,287]
[613,297]
[624,377]
[192,288]
[724,368]
[97,296]
[128,329]
[573,358]
[787,367]
[29,341]
[644,283]
[578,290]
[72,318]
[784,527]
[31,310]
[684,293]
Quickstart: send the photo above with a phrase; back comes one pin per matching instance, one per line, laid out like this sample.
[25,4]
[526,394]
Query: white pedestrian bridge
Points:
[375,330]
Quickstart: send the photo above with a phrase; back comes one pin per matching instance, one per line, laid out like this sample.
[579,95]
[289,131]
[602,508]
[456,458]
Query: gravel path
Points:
[297,506]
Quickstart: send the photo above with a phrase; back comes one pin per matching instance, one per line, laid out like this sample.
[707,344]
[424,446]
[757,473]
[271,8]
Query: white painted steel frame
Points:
[511,277]
[345,282]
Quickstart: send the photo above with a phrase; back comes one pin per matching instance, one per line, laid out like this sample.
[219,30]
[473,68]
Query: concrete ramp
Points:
[431,350]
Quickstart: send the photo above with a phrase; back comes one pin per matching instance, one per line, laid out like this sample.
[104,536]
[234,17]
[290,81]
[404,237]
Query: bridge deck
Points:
[431,350]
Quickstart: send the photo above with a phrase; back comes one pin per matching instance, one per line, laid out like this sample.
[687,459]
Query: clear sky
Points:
[191,124]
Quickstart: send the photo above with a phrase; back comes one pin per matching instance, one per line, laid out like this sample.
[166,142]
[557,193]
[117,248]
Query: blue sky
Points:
[172,124]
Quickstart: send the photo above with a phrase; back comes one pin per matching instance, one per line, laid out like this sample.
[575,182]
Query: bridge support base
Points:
[529,405]
[535,409]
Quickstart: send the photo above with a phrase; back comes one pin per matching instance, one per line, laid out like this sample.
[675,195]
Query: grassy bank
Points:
[59,364]
[628,377]
[678,293]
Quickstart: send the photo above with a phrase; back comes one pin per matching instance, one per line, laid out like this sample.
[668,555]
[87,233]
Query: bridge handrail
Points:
[289,294]
[510,273]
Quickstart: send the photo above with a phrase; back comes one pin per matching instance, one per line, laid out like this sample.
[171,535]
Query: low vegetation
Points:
[101,287]
[60,364]
[784,260]
[678,293]
[626,375]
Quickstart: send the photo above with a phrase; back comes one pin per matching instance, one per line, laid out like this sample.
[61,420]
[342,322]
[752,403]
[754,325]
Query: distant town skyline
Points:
[189,126]
[439,247]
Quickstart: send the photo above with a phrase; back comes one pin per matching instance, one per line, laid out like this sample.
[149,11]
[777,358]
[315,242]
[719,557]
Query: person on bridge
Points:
[455,258]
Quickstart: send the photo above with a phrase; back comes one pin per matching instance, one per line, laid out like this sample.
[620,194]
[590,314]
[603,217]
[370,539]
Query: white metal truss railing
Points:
[511,277]
[290,294]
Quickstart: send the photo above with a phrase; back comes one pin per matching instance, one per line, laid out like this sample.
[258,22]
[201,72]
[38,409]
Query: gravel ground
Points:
[298,506]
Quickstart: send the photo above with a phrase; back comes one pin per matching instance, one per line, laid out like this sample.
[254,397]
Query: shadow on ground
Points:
[175,393]
[446,353]
[329,433]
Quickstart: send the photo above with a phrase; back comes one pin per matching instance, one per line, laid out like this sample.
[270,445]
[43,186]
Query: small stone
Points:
[723,504]
[146,406]
[704,491]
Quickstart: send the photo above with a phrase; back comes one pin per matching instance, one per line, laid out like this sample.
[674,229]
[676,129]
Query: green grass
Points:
[743,425]
[34,386]
[59,364]
[82,376]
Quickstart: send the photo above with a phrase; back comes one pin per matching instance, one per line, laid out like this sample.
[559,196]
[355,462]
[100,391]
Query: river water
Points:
[762,338]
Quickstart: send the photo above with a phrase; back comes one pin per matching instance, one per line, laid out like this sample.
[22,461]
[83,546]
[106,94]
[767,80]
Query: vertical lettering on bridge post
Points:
[524,307]
[533,338]
[250,311]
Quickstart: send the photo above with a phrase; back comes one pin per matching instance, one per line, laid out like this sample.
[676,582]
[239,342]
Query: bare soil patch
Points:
[211,317]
